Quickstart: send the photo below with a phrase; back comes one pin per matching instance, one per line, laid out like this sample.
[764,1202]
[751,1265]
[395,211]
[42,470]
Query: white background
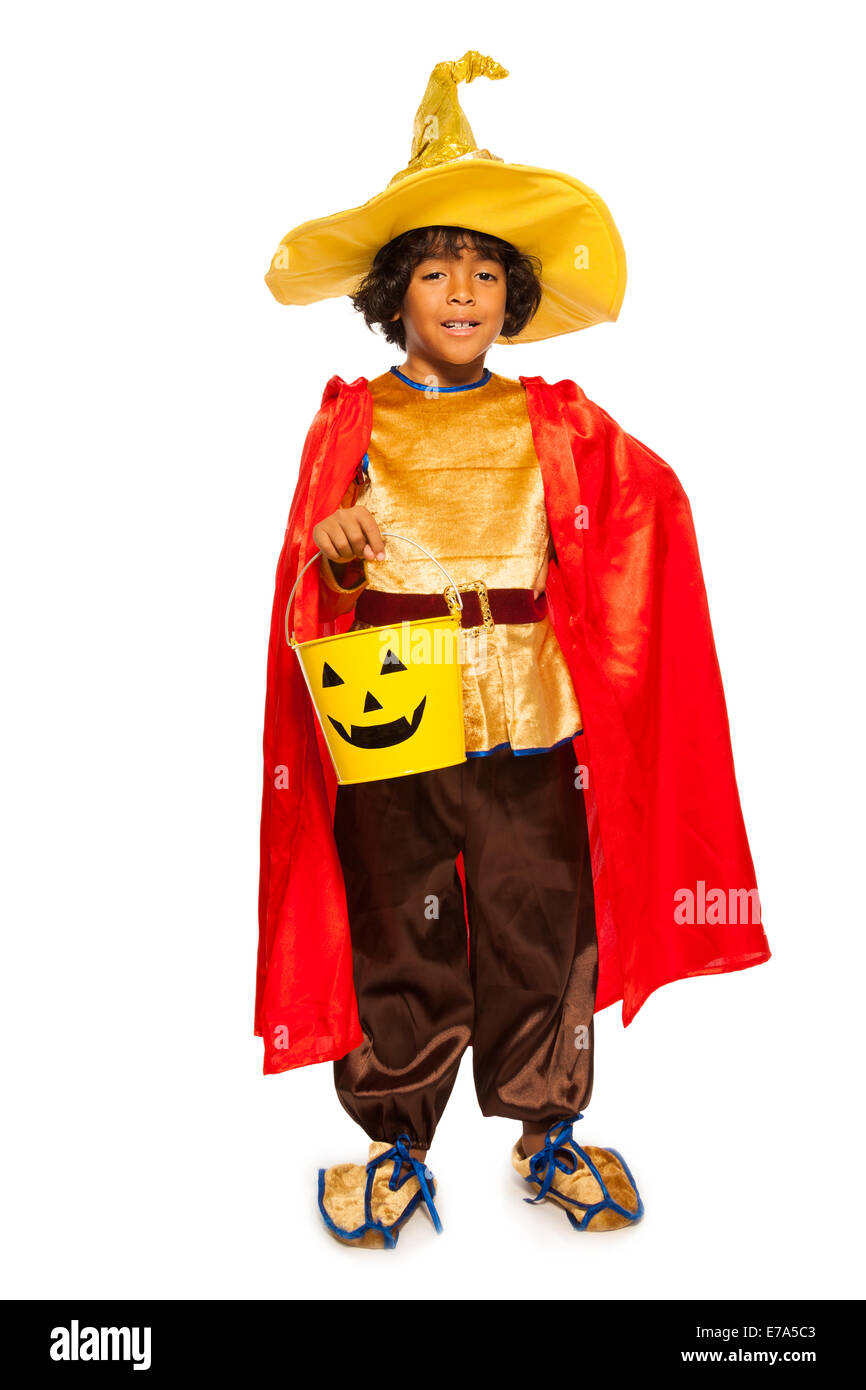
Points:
[156,401]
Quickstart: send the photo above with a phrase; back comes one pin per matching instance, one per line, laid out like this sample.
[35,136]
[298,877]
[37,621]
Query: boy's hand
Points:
[541,577]
[348,533]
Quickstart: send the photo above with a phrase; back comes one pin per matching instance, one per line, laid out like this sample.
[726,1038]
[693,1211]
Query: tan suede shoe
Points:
[594,1184]
[366,1205]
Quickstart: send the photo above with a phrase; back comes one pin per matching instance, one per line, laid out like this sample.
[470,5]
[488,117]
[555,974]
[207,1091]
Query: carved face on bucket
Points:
[388,700]
[401,690]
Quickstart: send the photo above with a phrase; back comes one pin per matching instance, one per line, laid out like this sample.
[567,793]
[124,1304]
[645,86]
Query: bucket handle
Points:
[396,537]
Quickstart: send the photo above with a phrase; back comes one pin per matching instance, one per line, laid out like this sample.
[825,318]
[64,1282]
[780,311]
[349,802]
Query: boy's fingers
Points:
[375,544]
[334,544]
[360,537]
[348,534]
[355,540]
[540,579]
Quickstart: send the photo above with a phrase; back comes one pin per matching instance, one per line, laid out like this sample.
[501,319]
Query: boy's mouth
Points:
[460,328]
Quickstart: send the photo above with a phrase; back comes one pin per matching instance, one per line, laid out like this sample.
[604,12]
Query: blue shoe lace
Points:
[561,1153]
[400,1154]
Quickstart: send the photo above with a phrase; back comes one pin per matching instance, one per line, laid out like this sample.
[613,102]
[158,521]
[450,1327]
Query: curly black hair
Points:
[381,292]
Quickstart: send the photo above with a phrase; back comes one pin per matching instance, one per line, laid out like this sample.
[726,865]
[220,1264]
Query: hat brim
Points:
[540,211]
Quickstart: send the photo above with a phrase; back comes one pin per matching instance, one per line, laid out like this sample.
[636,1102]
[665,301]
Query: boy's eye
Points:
[430,273]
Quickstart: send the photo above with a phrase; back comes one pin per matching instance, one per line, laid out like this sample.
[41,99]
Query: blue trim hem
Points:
[521,752]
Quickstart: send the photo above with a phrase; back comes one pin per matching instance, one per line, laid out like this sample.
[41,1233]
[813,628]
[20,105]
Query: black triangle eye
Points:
[330,677]
[391,663]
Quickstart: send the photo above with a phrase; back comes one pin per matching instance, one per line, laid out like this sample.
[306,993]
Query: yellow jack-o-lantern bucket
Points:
[389,700]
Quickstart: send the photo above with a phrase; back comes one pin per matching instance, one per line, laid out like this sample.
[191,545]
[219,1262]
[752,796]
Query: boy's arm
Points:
[340,584]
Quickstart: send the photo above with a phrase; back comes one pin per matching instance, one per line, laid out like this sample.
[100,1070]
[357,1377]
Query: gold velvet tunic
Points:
[456,470]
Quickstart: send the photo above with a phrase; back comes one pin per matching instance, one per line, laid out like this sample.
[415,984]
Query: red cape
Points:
[628,605]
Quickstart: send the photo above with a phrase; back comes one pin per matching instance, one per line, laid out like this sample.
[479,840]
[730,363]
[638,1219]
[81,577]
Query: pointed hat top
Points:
[441,132]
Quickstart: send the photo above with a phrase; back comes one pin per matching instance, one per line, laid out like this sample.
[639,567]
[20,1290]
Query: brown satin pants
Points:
[521,990]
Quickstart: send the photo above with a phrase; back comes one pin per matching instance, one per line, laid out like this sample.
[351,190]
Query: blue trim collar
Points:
[482,381]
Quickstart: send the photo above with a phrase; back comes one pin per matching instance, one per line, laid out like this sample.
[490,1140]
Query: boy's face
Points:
[466,288]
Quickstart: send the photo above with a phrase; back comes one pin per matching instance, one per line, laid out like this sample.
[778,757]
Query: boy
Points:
[536,491]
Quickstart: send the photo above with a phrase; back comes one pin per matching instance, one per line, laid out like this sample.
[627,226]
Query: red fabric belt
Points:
[378,608]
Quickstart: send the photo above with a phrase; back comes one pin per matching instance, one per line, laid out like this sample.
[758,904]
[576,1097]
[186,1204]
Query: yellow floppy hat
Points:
[450,182]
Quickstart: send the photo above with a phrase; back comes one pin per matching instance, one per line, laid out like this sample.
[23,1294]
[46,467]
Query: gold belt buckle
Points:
[454,607]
